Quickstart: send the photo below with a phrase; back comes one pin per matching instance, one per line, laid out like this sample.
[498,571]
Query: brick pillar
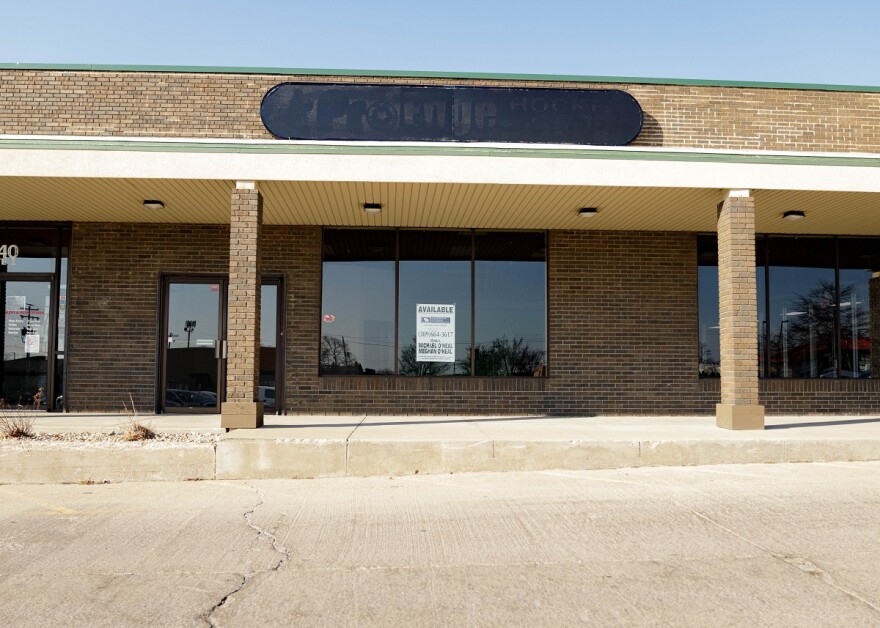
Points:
[737,303]
[242,408]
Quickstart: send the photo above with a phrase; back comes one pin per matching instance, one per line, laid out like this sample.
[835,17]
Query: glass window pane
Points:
[191,359]
[268,343]
[62,306]
[802,325]
[707,296]
[510,306]
[24,343]
[763,324]
[859,295]
[357,324]
[27,250]
[435,269]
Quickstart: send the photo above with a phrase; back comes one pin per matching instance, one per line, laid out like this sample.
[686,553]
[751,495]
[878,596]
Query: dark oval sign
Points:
[331,111]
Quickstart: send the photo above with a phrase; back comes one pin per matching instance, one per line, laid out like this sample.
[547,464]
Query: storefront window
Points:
[802,334]
[510,285]
[357,323]
[859,295]
[763,324]
[707,291]
[814,306]
[402,302]
[28,250]
[435,270]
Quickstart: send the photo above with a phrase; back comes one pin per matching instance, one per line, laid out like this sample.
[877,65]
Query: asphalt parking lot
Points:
[784,545]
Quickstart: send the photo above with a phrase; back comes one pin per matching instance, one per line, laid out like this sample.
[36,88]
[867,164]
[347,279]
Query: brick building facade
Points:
[625,291]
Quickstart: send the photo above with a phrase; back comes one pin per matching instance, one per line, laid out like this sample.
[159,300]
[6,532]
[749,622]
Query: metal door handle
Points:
[220,349]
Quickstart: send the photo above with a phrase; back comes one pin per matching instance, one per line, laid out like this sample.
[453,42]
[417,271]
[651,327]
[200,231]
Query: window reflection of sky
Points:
[360,295]
[511,301]
[199,302]
[193,302]
[437,282]
[30,265]
[268,315]
[708,311]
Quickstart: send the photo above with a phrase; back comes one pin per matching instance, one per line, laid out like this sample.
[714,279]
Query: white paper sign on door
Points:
[435,332]
[32,343]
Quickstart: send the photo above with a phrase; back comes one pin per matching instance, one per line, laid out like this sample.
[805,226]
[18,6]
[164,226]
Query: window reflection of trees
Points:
[504,271]
[506,357]
[409,365]
[338,358]
[805,342]
[815,297]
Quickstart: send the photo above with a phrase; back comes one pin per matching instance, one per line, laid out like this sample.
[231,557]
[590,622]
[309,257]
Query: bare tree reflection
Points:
[505,357]
[410,366]
[805,342]
[337,358]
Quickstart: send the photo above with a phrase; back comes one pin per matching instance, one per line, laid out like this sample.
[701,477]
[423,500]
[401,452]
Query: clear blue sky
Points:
[749,40]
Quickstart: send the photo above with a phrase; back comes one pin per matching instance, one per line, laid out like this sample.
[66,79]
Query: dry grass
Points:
[138,431]
[15,422]
[134,429]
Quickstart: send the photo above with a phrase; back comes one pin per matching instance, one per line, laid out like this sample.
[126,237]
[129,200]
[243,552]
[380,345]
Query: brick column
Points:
[242,408]
[737,302]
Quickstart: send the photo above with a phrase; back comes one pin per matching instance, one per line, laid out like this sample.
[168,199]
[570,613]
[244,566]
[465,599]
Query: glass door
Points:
[26,343]
[194,345]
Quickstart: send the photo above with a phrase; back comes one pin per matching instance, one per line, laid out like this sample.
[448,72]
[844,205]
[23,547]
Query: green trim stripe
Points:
[570,78]
[269,148]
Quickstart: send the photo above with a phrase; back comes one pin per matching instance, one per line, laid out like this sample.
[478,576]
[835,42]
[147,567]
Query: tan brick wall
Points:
[622,330]
[113,300]
[623,323]
[737,302]
[598,290]
[203,105]
[242,321]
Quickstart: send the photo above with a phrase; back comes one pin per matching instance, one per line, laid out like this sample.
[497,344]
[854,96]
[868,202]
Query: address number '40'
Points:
[8,254]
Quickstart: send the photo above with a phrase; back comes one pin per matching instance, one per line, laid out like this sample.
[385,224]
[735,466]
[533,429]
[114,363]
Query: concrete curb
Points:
[242,459]
[85,465]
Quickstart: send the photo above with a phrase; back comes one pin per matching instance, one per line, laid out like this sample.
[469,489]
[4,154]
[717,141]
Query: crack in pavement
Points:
[814,570]
[208,617]
[798,562]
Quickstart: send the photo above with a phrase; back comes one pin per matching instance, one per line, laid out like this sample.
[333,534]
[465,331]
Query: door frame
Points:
[53,325]
[194,278]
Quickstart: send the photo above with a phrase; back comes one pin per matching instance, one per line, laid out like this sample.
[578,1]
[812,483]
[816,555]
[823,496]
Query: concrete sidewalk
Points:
[296,446]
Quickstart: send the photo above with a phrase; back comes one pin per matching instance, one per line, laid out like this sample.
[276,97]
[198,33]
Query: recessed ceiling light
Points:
[372,208]
[588,212]
[794,215]
[154,204]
